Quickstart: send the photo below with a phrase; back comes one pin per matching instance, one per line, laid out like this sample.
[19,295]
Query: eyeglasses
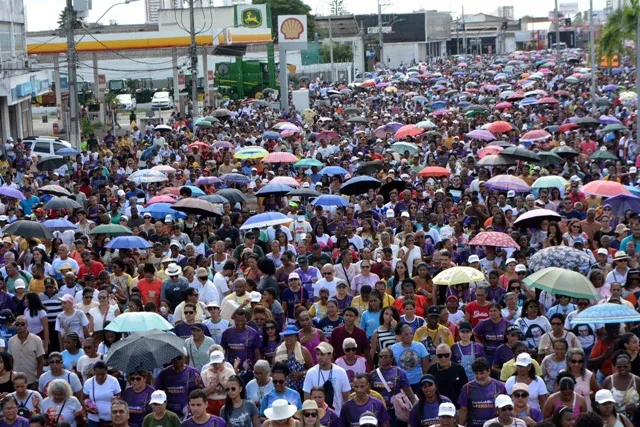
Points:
[279,381]
[327,273]
[136,378]
[507,408]
[55,361]
[87,297]
[228,389]
[444,355]
[294,279]
[268,328]
[577,362]
[20,323]
[365,266]
[189,312]
[385,356]
[350,349]
[310,414]
[520,394]
[102,298]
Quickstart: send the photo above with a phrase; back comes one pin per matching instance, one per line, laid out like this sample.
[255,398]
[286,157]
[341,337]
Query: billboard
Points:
[251,16]
[292,29]
[568,9]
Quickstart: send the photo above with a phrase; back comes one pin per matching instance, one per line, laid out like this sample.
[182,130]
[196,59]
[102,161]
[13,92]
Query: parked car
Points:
[162,100]
[126,102]
[45,145]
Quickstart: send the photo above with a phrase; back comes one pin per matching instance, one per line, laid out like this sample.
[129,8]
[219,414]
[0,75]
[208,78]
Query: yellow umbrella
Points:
[391,89]
[251,153]
[458,275]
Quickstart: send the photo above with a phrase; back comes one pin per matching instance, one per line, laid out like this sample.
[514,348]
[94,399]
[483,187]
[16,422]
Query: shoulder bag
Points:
[400,401]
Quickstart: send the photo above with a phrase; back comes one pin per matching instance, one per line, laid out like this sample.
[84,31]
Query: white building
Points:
[151,8]
[17,83]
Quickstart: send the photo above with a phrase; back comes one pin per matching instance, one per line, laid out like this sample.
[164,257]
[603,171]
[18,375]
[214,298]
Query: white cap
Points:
[158,397]
[511,194]
[633,169]
[404,214]
[604,396]
[521,267]
[603,251]
[473,258]
[390,213]
[256,296]
[447,409]
[168,218]
[368,419]
[19,284]
[510,260]
[294,275]
[503,400]
[524,359]
[216,357]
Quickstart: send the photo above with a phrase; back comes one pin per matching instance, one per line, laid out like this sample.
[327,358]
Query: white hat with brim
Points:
[158,397]
[447,409]
[173,270]
[280,410]
[310,405]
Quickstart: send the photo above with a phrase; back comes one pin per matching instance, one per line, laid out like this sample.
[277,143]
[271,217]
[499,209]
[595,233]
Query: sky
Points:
[43,14]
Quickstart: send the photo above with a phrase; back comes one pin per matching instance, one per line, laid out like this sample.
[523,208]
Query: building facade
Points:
[17,83]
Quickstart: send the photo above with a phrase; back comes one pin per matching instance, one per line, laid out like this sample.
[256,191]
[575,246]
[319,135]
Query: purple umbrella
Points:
[208,180]
[383,130]
[610,88]
[481,135]
[508,182]
[11,192]
[382,85]
[609,120]
[223,144]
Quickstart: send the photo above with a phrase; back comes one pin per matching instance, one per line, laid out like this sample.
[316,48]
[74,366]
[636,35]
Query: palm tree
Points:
[62,19]
[624,24]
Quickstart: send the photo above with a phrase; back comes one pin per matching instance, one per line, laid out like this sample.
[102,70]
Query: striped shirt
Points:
[52,304]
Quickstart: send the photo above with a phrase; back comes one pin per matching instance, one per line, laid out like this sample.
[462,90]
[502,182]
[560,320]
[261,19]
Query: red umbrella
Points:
[548,100]
[605,188]
[200,145]
[434,172]
[408,130]
[568,127]
[503,105]
[535,135]
[369,83]
[161,199]
[280,157]
[562,93]
[500,126]
[516,96]
[489,150]
[494,238]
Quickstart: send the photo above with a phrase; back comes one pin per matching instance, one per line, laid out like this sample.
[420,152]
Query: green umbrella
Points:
[602,155]
[551,181]
[615,127]
[473,113]
[548,159]
[571,80]
[307,163]
[111,230]
[204,124]
[560,281]
[211,119]
[401,147]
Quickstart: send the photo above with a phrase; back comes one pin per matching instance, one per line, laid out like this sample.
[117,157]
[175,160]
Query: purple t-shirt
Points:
[138,404]
[19,422]
[344,303]
[534,413]
[178,386]
[350,412]
[212,422]
[503,355]
[479,401]
[396,380]
[492,334]
[240,344]
[330,419]
[429,415]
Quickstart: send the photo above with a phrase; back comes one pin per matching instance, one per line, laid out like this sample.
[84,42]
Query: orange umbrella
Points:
[408,130]
[434,172]
[500,126]
[605,188]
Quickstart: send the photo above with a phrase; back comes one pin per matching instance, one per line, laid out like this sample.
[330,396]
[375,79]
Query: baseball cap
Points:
[256,296]
[404,214]
[520,268]
[202,272]
[447,409]
[511,194]
[604,396]
[158,397]
[368,420]
[168,218]
[67,298]
[434,310]
[198,326]
[214,304]
[427,379]
[325,347]
[520,387]
[216,357]
[19,284]
[524,359]
[513,328]
[503,400]
[474,258]
[465,326]
[294,275]
[452,298]
[390,213]
[510,260]
[603,251]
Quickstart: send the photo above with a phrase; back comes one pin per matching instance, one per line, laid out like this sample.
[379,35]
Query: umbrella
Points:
[565,151]
[608,313]
[162,128]
[401,147]
[548,159]
[494,238]
[204,124]
[560,281]
[359,185]
[458,275]
[195,191]
[602,154]
[382,131]
[507,183]
[195,206]
[303,192]
[370,168]
[28,229]
[161,199]
[547,100]
[520,153]
[146,176]
[234,196]
[235,178]
[67,152]
[266,219]
[496,160]
[139,322]
[129,242]
[327,135]
[615,127]
[143,351]
[164,169]
[280,157]
[60,224]
[308,163]
[622,203]
[356,119]
[333,170]
[587,122]
[223,144]
[56,190]
[551,181]
[150,153]
[161,210]
[426,124]
[328,200]
[532,219]
[207,180]
[481,135]
[274,189]
[503,105]
[215,199]
[351,110]
[387,188]
[535,135]
[500,127]
[434,172]
[251,153]
[14,193]
[51,163]
[271,135]
[605,188]
[489,150]
[111,230]
[408,130]
[221,112]
[61,203]
[609,120]
[559,256]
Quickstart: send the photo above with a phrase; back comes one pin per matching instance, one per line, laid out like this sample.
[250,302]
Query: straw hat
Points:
[310,405]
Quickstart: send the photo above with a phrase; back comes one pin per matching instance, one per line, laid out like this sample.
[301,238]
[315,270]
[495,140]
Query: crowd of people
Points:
[332,317]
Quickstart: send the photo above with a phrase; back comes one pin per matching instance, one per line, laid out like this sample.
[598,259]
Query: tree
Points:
[62,19]
[289,7]
[337,7]
[342,52]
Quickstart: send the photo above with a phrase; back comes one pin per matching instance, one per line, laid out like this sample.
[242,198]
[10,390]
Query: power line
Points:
[121,55]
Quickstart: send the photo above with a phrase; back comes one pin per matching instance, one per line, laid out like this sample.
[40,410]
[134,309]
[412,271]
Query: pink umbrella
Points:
[280,157]
[494,238]
[500,126]
[490,150]
[327,135]
[440,113]
[547,100]
[463,64]
[605,188]
[545,71]
[481,135]
[289,132]
[503,105]
[491,88]
[286,180]
[507,183]
[408,130]
[536,135]
[161,199]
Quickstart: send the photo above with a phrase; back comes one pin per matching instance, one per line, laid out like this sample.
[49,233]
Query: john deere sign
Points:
[251,16]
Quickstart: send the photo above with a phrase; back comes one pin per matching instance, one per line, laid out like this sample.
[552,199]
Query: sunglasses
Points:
[507,408]
[350,349]
[327,274]
[20,323]
[102,298]
[279,381]
[136,378]
[228,389]
[520,395]
[268,328]
[444,355]
[189,312]
[310,414]
[577,362]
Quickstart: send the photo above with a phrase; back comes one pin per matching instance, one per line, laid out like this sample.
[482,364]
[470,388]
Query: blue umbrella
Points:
[634,190]
[464,104]
[160,210]
[150,153]
[438,105]
[60,224]
[528,101]
[129,242]
[610,88]
[195,191]
[607,313]
[271,135]
[458,73]
[333,170]
[139,322]
[266,219]
[275,189]
[329,201]
[68,151]
[622,203]
[616,71]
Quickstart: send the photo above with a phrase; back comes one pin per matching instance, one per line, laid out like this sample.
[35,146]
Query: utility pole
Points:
[557,24]
[331,51]
[380,38]
[458,37]
[637,79]
[464,33]
[592,48]
[74,128]
[193,110]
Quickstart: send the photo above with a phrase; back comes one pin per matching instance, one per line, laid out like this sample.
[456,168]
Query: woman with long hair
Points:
[308,334]
[109,339]
[532,324]
[605,407]
[102,314]
[6,373]
[237,410]
[425,411]
[629,342]
[400,274]
[565,396]
[555,362]
[271,340]
[310,414]
[385,336]
[424,282]
[624,386]
[40,257]
[586,384]
[368,234]
[574,232]
[37,321]
[370,318]
[554,235]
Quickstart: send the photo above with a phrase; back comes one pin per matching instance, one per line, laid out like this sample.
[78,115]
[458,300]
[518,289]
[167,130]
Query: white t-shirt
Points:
[74,323]
[35,323]
[221,284]
[85,364]
[537,388]
[323,283]
[101,395]
[66,410]
[69,377]
[339,379]
[209,292]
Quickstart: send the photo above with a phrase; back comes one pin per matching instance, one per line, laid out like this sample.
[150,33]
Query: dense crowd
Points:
[295,254]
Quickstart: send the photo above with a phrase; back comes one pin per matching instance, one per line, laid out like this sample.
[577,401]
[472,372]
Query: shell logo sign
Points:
[292,28]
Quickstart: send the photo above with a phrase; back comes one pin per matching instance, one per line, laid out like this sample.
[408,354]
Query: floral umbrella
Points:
[494,238]
[559,256]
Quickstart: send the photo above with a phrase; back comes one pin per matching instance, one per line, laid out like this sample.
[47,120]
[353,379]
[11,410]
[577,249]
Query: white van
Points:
[45,145]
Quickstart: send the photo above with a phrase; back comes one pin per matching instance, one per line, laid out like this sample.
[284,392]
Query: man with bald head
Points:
[328,281]
[27,351]
[63,258]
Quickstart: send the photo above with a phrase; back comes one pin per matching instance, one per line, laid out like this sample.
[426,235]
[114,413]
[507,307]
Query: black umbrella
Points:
[548,159]
[520,153]
[532,219]
[370,168]
[496,160]
[215,198]
[304,192]
[587,122]
[502,144]
[62,203]
[221,112]
[195,206]
[386,189]
[356,119]
[359,185]
[29,229]
[232,195]
[565,151]
[56,190]
[51,163]
[351,111]
[144,351]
